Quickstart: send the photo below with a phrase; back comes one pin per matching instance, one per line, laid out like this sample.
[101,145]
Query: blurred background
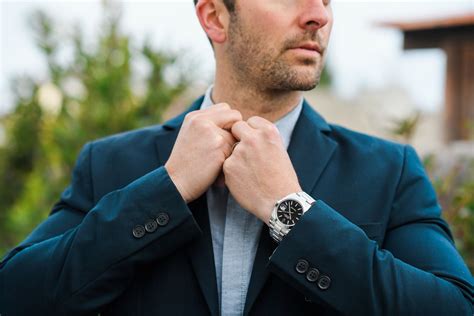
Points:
[74,71]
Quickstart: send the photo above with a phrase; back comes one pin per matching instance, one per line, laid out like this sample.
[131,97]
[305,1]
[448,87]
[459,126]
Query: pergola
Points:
[454,35]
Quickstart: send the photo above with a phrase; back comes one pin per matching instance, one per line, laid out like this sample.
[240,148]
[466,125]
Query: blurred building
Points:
[455,36]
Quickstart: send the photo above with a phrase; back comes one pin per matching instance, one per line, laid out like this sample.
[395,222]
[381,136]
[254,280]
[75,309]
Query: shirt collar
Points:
[285,124]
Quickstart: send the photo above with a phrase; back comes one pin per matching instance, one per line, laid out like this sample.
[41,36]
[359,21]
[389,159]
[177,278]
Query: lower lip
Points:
[305,52]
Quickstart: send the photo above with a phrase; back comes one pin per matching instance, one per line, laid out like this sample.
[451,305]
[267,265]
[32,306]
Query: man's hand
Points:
[259,171]
[202,145]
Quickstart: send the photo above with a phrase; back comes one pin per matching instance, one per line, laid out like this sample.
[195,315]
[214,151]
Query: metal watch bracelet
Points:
[277,229]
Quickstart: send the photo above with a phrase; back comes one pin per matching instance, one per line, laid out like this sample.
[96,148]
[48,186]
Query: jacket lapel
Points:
[310,150]
[201,255]
[200,252]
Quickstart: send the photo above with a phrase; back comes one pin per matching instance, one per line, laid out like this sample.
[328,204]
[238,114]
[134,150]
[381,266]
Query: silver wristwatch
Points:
[287,212]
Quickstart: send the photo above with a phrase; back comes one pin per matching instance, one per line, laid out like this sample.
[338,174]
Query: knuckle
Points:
[192,118]
[226,165]
[202,125]
[236,126]
[237,114]
[253,119]
[189,116]
[271,127]
[263,135]
[239,123]
[220,141]
[237,151]
[224,105]
[251,140]
[270,130]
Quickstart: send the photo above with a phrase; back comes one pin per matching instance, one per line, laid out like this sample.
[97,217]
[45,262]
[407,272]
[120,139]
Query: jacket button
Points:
[163,219]
[138,231]
[312,275]
[302,266]
[324,282]
[151,226]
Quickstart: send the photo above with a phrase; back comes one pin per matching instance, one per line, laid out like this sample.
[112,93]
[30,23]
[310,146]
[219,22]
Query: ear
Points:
[214,19]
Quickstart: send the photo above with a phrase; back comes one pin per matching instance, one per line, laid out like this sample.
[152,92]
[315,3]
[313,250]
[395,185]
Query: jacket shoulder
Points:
[119,159]
[364,145]
[134,137]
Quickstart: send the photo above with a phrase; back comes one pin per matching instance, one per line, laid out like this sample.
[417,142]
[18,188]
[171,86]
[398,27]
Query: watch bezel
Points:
[278,229]
[277,207]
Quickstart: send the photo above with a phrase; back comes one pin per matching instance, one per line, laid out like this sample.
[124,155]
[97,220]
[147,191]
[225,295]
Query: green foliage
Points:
[90,96]
[405,128]
[455,190]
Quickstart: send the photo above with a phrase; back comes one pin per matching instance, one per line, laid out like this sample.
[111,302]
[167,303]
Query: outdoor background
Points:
[74,71]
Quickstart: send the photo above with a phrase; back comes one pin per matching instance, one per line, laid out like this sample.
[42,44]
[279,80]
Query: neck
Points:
[250,101]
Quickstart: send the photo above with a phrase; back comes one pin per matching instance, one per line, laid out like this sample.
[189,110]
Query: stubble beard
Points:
[266,68]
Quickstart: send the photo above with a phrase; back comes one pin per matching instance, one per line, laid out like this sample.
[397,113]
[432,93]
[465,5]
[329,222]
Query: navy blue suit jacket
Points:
[375,231]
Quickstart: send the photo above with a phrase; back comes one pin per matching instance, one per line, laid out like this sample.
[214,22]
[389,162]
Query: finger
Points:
[216,107]
[229,141]
[225,119]
[258,122]
[222,105]
[228,149]
[241,130]
[222,115]
[228,137]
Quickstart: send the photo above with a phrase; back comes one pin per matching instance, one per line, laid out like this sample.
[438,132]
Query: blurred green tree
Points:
[455,191]
[93,95]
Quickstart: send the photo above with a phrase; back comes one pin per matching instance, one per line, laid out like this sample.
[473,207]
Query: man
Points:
[210,214]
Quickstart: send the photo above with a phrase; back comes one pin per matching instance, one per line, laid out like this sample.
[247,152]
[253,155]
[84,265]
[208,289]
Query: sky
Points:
[362,55]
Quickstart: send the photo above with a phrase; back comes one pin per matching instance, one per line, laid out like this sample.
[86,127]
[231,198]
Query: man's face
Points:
[263,38]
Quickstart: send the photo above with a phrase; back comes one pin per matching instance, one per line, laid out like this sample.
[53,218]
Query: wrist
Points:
[267,209]
[177,183]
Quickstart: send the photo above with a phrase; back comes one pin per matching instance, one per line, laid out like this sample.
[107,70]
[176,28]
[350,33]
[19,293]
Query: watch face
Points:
[289,212]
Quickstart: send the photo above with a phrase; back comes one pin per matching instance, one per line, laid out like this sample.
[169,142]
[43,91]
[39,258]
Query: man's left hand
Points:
[259,171]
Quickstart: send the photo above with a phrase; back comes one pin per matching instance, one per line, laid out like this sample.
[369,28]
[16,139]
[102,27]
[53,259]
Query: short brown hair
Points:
[229,4]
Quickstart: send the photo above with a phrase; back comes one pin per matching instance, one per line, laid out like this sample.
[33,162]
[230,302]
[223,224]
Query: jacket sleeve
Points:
[417,271]
[83,256]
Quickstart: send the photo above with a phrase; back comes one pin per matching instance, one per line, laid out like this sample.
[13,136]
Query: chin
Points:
[304,82]
[292,79]
[309,86]
[295,86]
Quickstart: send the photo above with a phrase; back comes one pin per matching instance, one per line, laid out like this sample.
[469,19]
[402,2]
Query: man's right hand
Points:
[203,144]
